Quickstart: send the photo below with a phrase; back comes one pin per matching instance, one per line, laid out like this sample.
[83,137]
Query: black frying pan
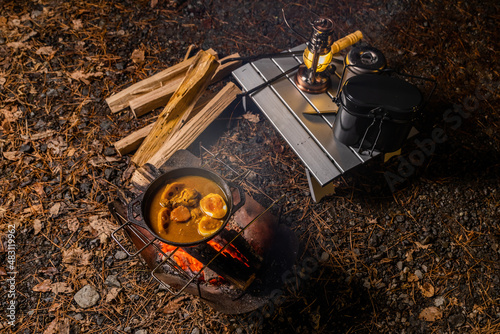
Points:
[141,217]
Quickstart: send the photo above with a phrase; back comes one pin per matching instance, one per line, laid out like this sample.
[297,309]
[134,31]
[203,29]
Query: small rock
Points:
[141,331]
[127,329]
[108,151]
[400,265]
[109,261]
[419,274]
[456,320]
[195,331]
[26,148]
[324,257]
[106,124]
[439,301]
[112,280]
[99,320]
[120,255]
[87,296]
[78,317]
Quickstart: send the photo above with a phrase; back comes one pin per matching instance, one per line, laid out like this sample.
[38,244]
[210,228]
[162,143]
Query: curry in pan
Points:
[188,209]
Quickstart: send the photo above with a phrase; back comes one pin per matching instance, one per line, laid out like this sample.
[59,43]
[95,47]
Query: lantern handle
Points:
[290,27]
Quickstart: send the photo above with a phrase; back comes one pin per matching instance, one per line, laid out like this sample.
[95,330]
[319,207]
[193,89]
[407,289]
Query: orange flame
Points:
[230,251]
[183,259]
[189,263]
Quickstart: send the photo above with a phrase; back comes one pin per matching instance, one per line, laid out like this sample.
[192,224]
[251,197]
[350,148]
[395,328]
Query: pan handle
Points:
[134,210]
[242,197]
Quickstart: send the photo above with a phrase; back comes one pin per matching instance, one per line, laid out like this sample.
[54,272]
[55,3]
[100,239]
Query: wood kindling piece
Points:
[132,142]
[145,103]
[120,100]
[188,133]
[179,106]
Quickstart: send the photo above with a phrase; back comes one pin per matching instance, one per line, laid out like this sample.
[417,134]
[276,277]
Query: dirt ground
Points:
[420,256]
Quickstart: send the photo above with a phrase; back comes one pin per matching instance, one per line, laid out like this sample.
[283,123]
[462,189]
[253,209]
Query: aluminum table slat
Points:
[319,129]
[315,159]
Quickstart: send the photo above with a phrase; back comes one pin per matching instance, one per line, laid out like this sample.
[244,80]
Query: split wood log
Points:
[188,52]
[160,96]
[120,100]
[194,127]
[179,106]
[132,142]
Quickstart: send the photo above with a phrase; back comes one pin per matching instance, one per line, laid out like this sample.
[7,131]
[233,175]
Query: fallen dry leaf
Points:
[38,188]
[102,227]
[419,245]
[3,272]
[430,314]
[54,210]
[12,114]
[83,77]
[57,145]
[97,161]
[77,24]
[46,50]
[54,307]
[42,135]
[18,45]
[154,3]
[112,294]
[12,156]
[44,286]
[427,289]
[71,152]
[28,36]
[409,255]
[58,326]
[61,287]
[34,209]
[137,56]
[37,225]
[412,277]
[73,224]
[173,305]
[254,118]
[77,256]
[50,271]
[6,126]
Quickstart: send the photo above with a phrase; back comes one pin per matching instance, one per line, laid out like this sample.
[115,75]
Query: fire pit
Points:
[233,272]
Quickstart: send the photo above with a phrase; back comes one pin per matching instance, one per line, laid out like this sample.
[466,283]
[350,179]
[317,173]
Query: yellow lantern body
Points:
[323,61]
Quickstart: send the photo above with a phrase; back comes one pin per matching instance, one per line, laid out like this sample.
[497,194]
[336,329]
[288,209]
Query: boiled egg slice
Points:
[208,226]
[213,205]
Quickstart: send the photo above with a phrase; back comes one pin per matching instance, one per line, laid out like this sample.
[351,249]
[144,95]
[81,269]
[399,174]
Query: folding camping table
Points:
[309,135]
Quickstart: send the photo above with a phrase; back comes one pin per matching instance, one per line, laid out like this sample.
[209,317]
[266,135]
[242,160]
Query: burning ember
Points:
[190,264]
[183,259]
[230,251]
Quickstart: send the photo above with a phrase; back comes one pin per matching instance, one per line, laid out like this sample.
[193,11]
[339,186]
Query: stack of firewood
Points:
[186,113]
